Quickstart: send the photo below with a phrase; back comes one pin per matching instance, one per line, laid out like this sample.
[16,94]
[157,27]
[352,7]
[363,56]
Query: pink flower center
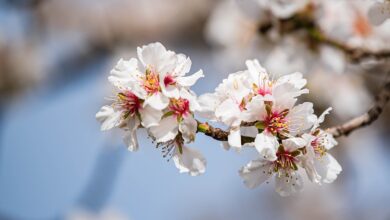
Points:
[275,122]
[264,91]
[151,82]
[169,80]
[130,102]
[180,107]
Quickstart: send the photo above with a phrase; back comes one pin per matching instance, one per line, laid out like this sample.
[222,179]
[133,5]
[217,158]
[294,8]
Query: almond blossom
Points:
[153,92]
[259,110]
[283,164]
[320,166]
[227,103]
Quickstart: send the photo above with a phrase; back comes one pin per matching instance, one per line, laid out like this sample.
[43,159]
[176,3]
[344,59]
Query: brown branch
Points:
[337,131]
[219,134]
[305,21]
[367,118]
[354,54]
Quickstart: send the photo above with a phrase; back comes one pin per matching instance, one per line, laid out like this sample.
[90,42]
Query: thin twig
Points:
[367,118]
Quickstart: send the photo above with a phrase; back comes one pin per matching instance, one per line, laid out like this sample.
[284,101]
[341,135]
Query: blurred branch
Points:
[367,118]
[304,21]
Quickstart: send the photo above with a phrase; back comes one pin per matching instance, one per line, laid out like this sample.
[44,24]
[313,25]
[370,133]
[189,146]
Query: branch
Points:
[337,131]
[367,118]
[219,134]
[305,21]
[355,54]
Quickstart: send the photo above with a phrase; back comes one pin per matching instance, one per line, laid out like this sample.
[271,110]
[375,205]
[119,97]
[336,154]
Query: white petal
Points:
[130,138]
[285,96]
[150,116]
[257,72]
[190,161]
[229,113]
[208,103]
[321,118]
[166,130]
[124,72]
[296,79]
[235,87]
[293,144]
[170,91]
[188,128]
[308,165]
[255,110]
[234,138]
[188,81]
[109,117]
[328,168]
[183,65]
[249,131]
[157,101]
[256,172]
[267,145]
[301,118]
[156,56]
[290,184]
[329,141]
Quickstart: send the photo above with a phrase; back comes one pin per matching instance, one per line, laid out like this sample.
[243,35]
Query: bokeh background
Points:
[55,56]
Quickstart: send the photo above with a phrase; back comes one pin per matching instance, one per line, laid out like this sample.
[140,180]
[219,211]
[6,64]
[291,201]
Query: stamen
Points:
[151,81]
[180,107]
[129,102]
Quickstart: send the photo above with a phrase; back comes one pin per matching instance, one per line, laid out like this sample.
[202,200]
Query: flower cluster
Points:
[287,136]
[153,92]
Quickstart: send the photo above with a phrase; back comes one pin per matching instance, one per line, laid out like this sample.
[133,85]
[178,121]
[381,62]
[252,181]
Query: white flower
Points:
[178,117]
[281,91]
[320,166]
[127,111]
[283,121]
[282,162]
[227,103]
[149,88]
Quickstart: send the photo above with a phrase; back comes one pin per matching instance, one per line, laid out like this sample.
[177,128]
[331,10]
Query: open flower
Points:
[283,163]
[127,110]
[227,103]
[171,82]
[321,167]
[282,91]
[178,118]
[153,92]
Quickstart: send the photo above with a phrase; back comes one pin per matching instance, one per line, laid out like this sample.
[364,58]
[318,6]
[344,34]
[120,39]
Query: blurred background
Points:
[55,56]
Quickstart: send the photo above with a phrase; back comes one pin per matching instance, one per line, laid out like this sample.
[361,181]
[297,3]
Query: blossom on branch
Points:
[153,92]
[259,109]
